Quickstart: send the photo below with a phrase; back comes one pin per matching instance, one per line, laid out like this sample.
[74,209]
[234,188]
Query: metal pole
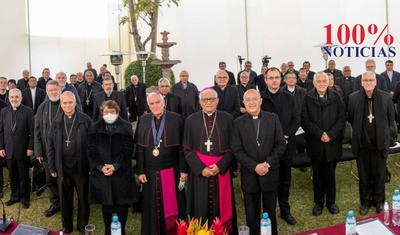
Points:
[144,71]
[247,33]
[29,36]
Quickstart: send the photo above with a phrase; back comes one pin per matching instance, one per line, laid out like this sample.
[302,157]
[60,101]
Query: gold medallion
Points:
[156,152]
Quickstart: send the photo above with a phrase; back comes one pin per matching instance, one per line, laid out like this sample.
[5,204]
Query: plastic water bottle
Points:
[115,226]
[386,215]
[350,224]
[396,208]
[265,224]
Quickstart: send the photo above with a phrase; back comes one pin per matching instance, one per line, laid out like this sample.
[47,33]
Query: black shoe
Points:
[25,205]
[303,169]
[364,209]
[51,211]
[1,195]
[11,202]
[333,209]
[379,208]
[65,230]
[317,210]
[289,219]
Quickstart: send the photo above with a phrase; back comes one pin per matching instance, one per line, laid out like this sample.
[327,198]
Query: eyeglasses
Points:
[272,78]
[211,100]
[222,77]
[253,99]
[321,81]
[368,80]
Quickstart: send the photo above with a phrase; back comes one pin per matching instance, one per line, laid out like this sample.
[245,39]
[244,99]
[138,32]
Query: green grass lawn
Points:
[301,200]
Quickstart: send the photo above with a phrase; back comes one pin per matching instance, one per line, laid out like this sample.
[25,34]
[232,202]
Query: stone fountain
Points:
[165,63]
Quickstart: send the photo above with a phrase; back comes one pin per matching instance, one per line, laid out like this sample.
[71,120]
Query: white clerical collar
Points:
[291,89]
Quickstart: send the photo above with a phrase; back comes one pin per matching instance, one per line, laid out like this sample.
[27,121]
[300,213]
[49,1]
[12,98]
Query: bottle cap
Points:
[115,218]
[386,206]
[350,214]
[396,192]
[265,215]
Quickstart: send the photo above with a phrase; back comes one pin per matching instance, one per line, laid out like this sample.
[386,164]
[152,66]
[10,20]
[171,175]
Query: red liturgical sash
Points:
[225,190]
[169,199]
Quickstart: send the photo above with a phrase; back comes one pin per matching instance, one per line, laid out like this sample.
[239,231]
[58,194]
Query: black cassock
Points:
[163,203]
[204,194]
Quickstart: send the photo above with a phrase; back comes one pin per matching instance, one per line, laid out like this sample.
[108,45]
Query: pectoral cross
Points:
[87,102]
[68,141]
[208,143]
[370,117]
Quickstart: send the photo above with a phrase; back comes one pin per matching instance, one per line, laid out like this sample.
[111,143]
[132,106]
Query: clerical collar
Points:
[69,116]
[3,93]
[256,116]
[209,114]
[291,89]
[244,85]
[15,108]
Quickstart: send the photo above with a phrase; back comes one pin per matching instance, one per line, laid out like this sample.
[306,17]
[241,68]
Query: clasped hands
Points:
[108,169]
[262,168]
[210,171]
[325,138]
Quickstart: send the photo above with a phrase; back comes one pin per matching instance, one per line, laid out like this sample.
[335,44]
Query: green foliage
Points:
[145,8]
[153,73]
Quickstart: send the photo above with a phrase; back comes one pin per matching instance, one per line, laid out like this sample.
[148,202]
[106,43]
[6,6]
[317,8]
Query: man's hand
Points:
[184,176]
[40,159]
[29,152]
[54,174]
[2,153]
[142,178]
[108,169]
[214,169]
[262,169]
[325,138]
[207,172]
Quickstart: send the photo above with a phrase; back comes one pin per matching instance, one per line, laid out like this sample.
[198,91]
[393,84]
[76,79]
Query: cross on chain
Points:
[68,141]
[208,143]
[370,117]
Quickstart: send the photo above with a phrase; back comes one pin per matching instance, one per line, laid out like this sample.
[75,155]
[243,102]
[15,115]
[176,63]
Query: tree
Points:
[146,11]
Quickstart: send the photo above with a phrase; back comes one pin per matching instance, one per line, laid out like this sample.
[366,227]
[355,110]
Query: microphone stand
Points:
[4,223]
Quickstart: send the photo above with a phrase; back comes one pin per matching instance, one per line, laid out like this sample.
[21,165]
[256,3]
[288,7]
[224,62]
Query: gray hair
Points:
[369,73]
[153,94]
[68,93]
[320,73]
[206,90]
[164,80]
[16,90]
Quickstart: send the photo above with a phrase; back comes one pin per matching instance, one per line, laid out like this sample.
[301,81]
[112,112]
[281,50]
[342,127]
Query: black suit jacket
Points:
[310,75]
[16,142]
[140,105]
[247,152]
[40,96]
[117,96]
[391,85]
[284,105]
[22,84]
[173,103]
[229,100]
[189,98]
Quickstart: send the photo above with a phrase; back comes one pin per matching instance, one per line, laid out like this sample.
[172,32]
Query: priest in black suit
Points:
[222,66]
[86,91]
[228,95]
[16,145]
[33,96]
[2,105]
[23,82]
[258,144]
[135,98]
[172,101]
[284,105]
[188,93]
[109,94]
[242,87]
[206,143]
[310,74]
[380,80]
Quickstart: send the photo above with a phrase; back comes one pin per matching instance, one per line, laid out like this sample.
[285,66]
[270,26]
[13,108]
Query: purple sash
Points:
[169,199]
[225,191]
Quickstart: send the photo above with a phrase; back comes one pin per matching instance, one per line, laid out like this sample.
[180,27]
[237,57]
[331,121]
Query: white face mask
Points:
[110,118]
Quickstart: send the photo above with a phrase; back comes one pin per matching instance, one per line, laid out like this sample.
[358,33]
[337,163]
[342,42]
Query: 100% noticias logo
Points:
[357,35]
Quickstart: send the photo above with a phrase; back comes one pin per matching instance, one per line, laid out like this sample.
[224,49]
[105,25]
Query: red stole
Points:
[225,191]
[169,200]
